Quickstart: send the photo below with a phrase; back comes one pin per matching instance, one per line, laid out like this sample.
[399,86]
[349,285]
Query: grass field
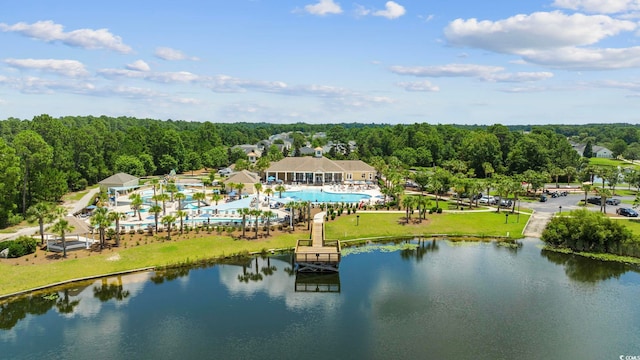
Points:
[379,224]
[22,277]
[612,162]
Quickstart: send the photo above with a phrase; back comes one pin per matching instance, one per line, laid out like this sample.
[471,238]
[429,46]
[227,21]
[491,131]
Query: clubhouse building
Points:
[318,170]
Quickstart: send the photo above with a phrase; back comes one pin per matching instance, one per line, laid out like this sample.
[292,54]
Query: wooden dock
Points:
[317,254]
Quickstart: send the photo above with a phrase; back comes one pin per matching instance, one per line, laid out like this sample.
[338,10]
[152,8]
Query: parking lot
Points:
[570,202]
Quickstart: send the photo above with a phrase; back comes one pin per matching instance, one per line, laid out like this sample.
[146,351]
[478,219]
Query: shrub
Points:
[21,246]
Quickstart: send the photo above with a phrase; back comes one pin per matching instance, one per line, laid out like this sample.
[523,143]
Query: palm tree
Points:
[258,187]
[256,213]
[115,216]
[155,209]
[268,214]
[240,187]
[163,198]
[423,202]
[172,189]
[43,213]
[586,187]
[61,228]
[181,214]
[168,220]
[199,196]
[216,198]
[155,183]
[179,196]
[136,204]
[408,202]
[244,212]
[604,195]
[280,189]
[100,220]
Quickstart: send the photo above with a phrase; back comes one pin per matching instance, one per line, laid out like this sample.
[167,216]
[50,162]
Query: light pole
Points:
[560,208]
[357,220]
[506,217]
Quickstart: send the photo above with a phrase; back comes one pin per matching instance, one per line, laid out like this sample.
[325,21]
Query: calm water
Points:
[442,301]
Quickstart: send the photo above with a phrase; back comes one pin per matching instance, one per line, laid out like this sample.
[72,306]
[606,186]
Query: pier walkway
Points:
[317,254]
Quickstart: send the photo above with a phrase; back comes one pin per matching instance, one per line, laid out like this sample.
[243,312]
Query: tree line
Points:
[43,158]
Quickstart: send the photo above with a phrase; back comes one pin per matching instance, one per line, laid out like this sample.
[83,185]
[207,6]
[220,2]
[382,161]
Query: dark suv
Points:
[627,212]
[594,200]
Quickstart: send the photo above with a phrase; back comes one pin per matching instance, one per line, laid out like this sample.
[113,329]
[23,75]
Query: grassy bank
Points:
[597,256]
[23,276]
[378,224]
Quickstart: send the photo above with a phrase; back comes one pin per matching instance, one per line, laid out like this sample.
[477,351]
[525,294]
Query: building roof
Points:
[119,178]
[321,164]
[244,177]
[355,165]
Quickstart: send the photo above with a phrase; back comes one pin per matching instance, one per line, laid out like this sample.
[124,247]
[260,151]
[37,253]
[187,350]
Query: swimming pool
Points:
[316,195]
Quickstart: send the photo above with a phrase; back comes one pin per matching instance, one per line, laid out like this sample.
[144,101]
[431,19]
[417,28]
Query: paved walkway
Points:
[537,222]
[71,206]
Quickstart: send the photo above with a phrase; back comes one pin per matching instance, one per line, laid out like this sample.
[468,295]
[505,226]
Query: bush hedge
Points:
[21,246]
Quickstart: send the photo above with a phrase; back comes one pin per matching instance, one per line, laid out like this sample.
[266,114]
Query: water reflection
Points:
[107,291]
[12,312]
[418,253]
[587,270]
[318,282]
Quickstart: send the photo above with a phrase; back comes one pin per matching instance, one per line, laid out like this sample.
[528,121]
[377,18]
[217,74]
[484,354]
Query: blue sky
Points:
[324,61]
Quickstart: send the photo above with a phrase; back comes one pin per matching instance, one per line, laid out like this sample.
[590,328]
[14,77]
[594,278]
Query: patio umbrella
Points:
[271,178]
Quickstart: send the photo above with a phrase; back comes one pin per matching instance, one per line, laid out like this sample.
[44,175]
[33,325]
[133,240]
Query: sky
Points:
[324,61]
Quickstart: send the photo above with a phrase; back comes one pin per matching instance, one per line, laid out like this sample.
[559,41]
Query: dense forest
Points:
[45,157]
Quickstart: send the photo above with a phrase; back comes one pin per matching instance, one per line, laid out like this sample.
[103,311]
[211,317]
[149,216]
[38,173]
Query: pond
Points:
[424,299]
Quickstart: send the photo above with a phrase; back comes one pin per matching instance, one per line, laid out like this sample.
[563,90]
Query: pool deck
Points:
[227,212]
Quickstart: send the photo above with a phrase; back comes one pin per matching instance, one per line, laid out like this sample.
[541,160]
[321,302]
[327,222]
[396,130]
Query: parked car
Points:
[487,200]
[596,200]
[627,212]
[506,203]
[613,201]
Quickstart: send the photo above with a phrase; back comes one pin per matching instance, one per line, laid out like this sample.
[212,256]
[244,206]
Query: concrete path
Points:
[71,206]
[537,222]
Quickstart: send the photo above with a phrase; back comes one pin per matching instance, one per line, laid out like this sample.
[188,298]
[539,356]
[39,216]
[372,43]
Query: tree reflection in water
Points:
[107,291]
[419,252]
[16,310]
[247,276]
[64,304]
[161,276]
[587,270]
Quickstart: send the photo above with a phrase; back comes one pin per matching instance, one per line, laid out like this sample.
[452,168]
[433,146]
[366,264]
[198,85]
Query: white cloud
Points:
[422,86]
[85,38]
[450,70]
[599,6]
[138,65]
[587,59]
[481,72]
[166,53]
[392,10]
[518,76]
[361,11]
[162,77]
[551,39]
[324,7]
[71,68]
[539,31]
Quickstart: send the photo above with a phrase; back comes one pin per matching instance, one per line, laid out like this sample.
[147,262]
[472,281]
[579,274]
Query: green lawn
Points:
[379,224]
[612,162]
[22,277]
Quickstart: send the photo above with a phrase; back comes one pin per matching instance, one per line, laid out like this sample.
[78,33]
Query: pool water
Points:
[314,195]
